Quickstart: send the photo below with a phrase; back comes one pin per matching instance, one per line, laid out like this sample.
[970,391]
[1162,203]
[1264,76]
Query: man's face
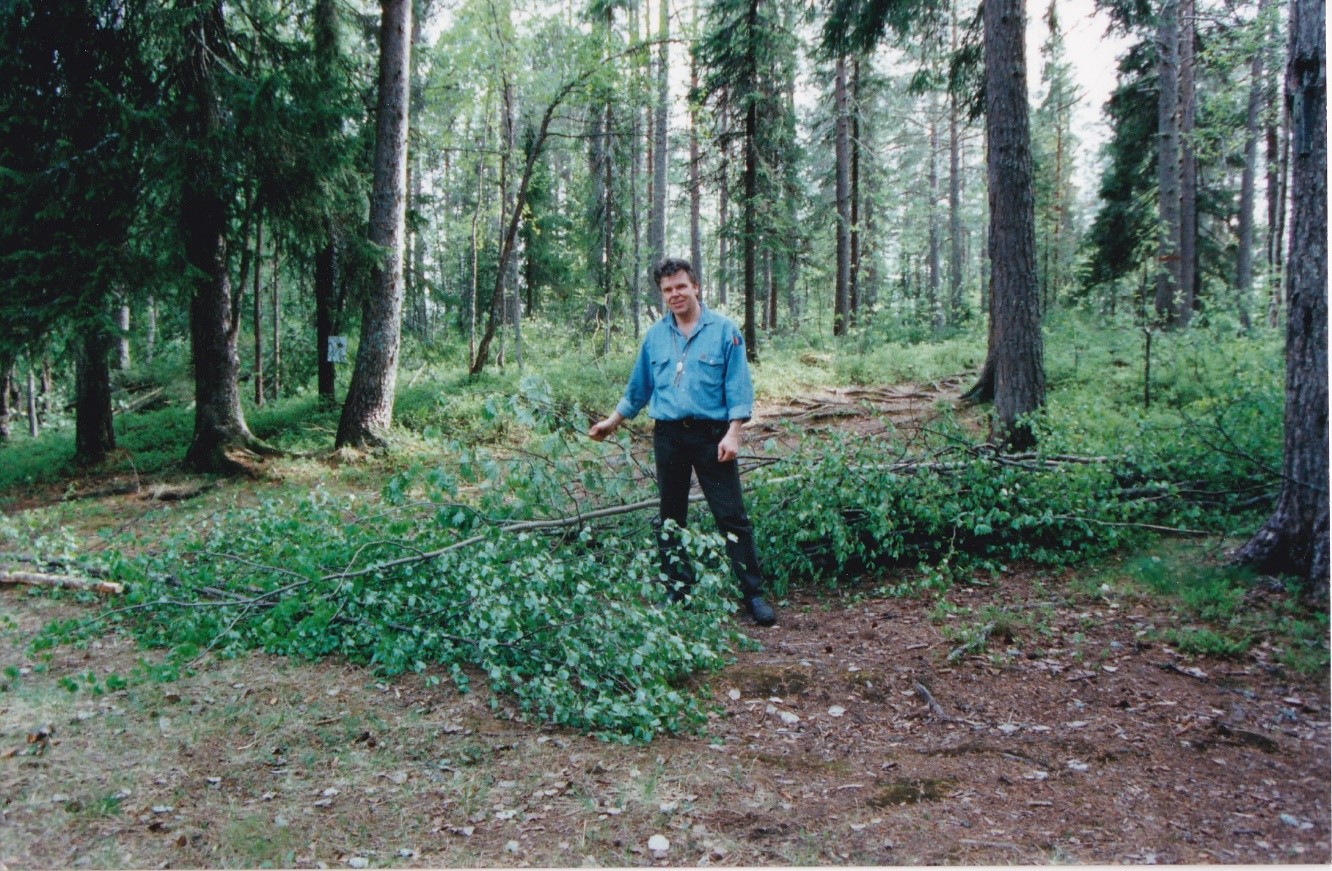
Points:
[679,293]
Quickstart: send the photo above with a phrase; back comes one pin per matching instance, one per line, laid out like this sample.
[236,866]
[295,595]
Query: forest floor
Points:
[860,734]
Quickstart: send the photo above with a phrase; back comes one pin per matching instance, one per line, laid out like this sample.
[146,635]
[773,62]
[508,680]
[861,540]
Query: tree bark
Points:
[150,329]
[1295,538]
[34,419]
[1188,167]
[1248,181]
[657,216]
[933,283]
[122,337]
[1168,279]
[367,412]
[277,329]
[751,181]
[6,389]
[257,314]
[206,193]
[853,274]
[1014,371]
[954,205]
[695,183]
[94,437]
[842,149]
[723,219]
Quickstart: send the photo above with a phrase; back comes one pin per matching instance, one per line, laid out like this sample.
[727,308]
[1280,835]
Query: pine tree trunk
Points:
[324,295]
[1014,371]
[751,180]
[695,183]
[326,265]
[635,225]
[723,218]
[1295,538]
[853,275]
[1168,279]
[1278,225]
[954,209]
[842,148]
[150,329]
[258,315]
[933,283]
[218,421]
[34,418]
[277,329]
[94,437]
[6,389]
[1248,182]
[367,412]
[1188,169]
[657,217]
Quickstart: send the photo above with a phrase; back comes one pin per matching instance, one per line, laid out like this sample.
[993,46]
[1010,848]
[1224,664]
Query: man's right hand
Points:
[600,430]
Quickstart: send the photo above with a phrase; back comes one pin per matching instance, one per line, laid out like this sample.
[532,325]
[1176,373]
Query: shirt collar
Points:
[705,316]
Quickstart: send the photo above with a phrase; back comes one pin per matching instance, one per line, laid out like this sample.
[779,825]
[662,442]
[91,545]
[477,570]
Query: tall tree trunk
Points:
[368,410]
[1014,371]
[1280,151]
[324,295]
[1188,167]
[932,279]
[1167,162]
[695,183]
[258,315]
[954,205]
[94,437]
[635,225]
[150,329]
[853,275]
[661,107]
[1248,181]
[34,418]
[277,329]
[723,219]
[1295,537]
[326,265]
[122,337]
[6,390]
[751,179]
[218,421]
[842,149]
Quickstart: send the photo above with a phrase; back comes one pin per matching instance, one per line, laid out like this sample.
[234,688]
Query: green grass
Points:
[1212,606]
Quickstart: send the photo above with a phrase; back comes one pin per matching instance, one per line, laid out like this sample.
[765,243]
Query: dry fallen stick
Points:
[928,698]
[38,579]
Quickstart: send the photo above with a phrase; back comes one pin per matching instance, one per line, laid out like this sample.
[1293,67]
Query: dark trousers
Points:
[685,447]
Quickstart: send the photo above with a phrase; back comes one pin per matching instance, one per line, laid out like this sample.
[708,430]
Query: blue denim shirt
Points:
[713,383]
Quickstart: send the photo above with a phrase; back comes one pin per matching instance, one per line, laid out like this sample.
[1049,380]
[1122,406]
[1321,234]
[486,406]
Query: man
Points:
[693,377]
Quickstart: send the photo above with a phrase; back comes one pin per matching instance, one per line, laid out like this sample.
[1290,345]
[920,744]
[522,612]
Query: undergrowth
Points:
[499,546]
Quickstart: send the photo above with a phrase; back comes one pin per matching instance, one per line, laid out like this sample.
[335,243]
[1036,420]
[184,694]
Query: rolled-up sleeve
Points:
[639,390]
[739,388]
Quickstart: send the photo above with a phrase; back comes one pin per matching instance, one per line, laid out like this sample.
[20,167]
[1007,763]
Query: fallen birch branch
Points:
[39,579]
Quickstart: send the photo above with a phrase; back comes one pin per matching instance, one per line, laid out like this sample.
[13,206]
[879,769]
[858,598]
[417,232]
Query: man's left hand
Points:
[728,448]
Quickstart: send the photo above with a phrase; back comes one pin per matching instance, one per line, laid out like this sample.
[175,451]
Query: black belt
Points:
[691,423]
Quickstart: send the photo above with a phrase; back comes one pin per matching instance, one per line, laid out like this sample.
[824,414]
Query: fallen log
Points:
[40,579]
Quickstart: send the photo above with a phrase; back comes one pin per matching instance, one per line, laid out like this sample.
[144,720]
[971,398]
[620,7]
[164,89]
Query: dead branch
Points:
[39,579]
[928,698]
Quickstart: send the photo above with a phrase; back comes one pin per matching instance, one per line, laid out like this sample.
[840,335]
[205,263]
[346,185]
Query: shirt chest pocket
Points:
[663,370]
[710,370]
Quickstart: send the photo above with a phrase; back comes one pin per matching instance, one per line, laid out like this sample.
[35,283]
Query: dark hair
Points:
[670,266]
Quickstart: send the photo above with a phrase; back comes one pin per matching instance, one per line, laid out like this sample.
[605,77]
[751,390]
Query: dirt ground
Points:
[851,738]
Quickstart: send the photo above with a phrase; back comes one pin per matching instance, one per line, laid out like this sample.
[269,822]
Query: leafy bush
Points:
[838,508]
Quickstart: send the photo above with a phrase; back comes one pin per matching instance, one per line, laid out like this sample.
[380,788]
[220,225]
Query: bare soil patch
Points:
[857,735]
